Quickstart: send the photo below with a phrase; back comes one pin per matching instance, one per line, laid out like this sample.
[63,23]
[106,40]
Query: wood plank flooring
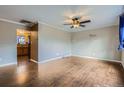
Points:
[66,72]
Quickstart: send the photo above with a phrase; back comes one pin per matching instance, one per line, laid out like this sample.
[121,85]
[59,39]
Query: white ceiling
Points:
[100,16]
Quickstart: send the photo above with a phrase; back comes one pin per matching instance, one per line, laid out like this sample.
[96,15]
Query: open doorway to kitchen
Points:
[27,44]
[23,38]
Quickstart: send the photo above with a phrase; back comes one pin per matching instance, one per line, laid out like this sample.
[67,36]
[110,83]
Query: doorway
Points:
[27,44]
[23,46]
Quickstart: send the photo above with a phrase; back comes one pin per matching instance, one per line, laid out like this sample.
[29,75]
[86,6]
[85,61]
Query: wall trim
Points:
[98,58]
[8,64]
[10,21]
[32,60]
[52,59]
[60,57]
[41,22]
[122,64]
[48,60]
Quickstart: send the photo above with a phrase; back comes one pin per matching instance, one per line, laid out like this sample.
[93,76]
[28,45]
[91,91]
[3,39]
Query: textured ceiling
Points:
[101,16]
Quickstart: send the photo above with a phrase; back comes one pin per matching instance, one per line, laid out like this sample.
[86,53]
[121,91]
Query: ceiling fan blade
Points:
[87,21]
[82,25]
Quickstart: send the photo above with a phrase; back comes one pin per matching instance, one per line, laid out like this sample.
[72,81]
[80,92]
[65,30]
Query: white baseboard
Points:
[60,57]
[52,59]
[67,56]
[7,64]
[32,60]
[122,64]
[97,58]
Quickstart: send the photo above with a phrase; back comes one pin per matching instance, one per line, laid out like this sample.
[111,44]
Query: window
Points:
[21,40]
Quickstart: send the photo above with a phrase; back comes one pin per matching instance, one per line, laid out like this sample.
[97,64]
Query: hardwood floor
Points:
[66,72]
[22,59]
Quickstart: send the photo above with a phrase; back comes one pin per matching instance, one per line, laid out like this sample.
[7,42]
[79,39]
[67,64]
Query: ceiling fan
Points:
[75,22]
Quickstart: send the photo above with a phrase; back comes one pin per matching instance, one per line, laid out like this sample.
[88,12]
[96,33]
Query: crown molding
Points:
[10,21]
[44,23]
[41,22]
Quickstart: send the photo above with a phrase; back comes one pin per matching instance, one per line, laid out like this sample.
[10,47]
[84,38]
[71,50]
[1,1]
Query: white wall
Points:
[100,43]
[8,49]
[53,42]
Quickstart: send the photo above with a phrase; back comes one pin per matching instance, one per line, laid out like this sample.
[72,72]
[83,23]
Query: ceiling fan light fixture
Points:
[76,25]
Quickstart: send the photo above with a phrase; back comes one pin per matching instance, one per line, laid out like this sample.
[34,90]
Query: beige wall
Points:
[53,42]
[34,45]
[122,58]
[8,51]
[34,42]
[100,43]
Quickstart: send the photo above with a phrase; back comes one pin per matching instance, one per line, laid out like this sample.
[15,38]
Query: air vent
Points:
[27,23]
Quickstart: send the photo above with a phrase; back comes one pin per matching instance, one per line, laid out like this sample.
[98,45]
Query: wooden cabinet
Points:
[22,50]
